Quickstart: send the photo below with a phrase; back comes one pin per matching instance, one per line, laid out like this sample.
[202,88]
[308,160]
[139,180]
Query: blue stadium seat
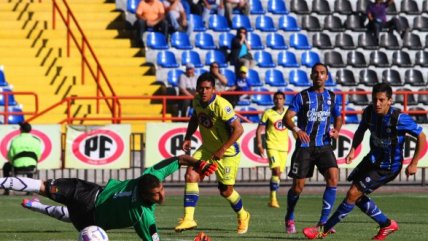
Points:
[199,71]
[265,24]
[218,23]
[180,40]
[241,20]
[204,41]
[156,40]
[198,23]
[287,59]
[186,6]
[276,41]
[351,118]
[215,56]
[166,59]
[131,6]
[274,77]
[225,40]
[174,77]
[310,58]
[262,99]
[298,77]
[254,78]
[288,23]
[3,81]
[264,59]
[254,118]
[230,76]
[10,97]
[190,56]
[256,7]
[288,97]
[299,41]
[277,7]
[15,118]
[255,41]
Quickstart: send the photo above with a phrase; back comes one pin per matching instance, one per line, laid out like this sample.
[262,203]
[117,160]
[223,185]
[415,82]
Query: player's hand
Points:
[334,133]
[205,168]
[262,152]
[411,170]
[186,145]
[218,154]
[303,136]
[350,156]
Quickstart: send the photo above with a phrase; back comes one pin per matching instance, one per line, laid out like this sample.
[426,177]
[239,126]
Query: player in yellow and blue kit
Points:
[220,129]
[276,142]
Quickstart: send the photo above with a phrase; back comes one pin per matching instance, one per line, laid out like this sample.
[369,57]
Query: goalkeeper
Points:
[120,204]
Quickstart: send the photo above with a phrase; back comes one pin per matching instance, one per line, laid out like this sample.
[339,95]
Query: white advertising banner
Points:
[50,136]
[98,147]
[164,140]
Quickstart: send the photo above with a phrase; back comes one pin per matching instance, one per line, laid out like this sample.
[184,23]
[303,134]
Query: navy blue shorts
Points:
[369,177]
[304,160]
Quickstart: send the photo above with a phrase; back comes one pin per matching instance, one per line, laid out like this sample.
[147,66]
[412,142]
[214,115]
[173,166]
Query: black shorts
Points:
[79,196]
[304,160]
[369,177]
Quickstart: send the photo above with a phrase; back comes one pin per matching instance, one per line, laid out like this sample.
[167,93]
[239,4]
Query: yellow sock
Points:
[274,187]
[191,196]
[236,203]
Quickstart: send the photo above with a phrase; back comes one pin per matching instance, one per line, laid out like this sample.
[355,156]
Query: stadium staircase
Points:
[32,51]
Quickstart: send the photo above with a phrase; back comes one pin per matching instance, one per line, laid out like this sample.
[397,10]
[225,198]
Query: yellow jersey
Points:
[276,132]
[214,124]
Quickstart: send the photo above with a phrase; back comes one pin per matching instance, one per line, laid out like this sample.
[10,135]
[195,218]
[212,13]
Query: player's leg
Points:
[58,212]
[22,184]
[277,161]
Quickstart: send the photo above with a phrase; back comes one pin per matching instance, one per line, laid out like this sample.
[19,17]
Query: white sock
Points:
[22,184]
[58,212]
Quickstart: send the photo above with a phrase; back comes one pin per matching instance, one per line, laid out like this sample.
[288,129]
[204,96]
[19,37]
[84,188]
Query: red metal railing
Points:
[5,112]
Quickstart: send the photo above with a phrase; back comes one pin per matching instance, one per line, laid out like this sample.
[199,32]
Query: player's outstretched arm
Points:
[202,167]
[413,165]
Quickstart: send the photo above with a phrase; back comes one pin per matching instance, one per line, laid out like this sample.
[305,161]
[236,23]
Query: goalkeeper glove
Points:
[205,168]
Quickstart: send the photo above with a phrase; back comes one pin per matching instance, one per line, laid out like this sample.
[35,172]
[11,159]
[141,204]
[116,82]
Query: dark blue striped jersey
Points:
[387,136]
[314,115]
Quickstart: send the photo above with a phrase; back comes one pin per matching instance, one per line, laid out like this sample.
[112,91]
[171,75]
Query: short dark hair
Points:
[382,87]
[279,93]
[319,64]
[146,183]
[207,76]
[25,127]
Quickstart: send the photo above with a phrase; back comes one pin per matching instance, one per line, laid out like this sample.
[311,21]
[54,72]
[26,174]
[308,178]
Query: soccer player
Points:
[220,129]
[276,142]
[388,128]
[120,204]
[315,108]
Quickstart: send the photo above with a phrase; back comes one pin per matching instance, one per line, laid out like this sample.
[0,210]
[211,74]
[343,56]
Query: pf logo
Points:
[170,144]
[342,145]
[409,149]
[98,147]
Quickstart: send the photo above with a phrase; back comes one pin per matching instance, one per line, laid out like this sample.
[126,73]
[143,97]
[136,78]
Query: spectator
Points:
[208,5]
[24,153]
[376,13]
[151,14]
[220,79]
[242,5]
[240,53]
[177,17]
[242,84]
[187,87]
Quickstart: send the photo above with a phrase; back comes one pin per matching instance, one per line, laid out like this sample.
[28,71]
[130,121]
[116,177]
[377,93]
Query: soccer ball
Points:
[202,237]
[93,233]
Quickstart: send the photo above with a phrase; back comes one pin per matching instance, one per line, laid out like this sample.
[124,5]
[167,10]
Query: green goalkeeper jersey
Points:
[119,205]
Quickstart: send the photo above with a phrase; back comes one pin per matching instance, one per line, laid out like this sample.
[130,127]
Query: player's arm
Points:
[356,141]
[260,129]
[338,121]
[289,123]
[237,131]
[413,165]
[191,128]
[146,228]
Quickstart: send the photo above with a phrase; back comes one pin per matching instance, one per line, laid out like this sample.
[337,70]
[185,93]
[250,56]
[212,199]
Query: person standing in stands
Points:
[151,14]
[240,53]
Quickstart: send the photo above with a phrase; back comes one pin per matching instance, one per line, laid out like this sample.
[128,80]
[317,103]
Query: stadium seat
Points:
[321,7]
[265,24]
[351,118]
[310,58]
[230,76]
[404,22]
[420,118]
[355,22]
[277,7]
[10,98]
[358,99]
[274,77]
[299,41]
[368,77]
[156,40]
[190,56]
[330,82]
[334,59]
[322,41]
[276,41]
[421,58]
[200,71]
[311,23]
[288,97]
[264,59]
[379,59]
[425,6]
[180,40]
[412,41]
[345,77]
[174,77]
[423,98]
[254,78]
[420,23]
[218,23]
[344,41]
[241,20]
[343,7]
[215,56]
[225,40]
[166,59]
[414,77]
[399,98]
[288,23]
[254,118]
[131,5]
[356,59]
[389,41]
[3,81]
[15,118]
[333,23]
[401,59]
[392,77]
[204,40]
[367,41]
[255,41]
[298,77]
[287,59]
[198,23]
[262,99]
[299,7]
[361,6]
[409,7]
[256,7]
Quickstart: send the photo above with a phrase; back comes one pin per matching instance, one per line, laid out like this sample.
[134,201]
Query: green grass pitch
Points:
[217,219]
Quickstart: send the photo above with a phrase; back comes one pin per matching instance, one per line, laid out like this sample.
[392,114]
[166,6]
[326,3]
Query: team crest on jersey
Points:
[368,179]
[279,126]
[205,120]
[329,102]
[228,109]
